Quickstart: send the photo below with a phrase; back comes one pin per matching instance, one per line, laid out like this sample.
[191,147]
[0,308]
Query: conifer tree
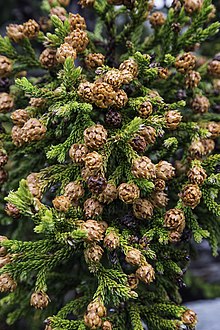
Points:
[108,164]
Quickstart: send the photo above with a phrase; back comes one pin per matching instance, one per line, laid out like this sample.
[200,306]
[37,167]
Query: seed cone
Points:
[145,273]
[39,300]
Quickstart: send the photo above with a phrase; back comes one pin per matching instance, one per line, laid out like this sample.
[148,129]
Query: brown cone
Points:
[197,175]
[142,167]
[93,253]
[39,300]
[61,203]
[92,208]
[109,194]
[143,209]
[74,191]
[145,273]
[165,170]
[95,136]
[20,117]
[12,211]
[94,60]
[191,195]
[128,192]
[133,257]
[78,39]
[174,218]
[5,66]
[94,230]
[111,241]
[6,103]
[78,152]
[31,29]
[15,32]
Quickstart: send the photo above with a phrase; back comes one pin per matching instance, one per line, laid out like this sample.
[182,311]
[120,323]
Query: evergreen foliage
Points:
[109,139]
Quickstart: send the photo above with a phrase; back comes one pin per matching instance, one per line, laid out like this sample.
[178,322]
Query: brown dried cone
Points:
[145,273]
[76,22]
[192,79]
[17,136]
[97,307]
[39,300]
[214,68]
[159,185]
[209,145]
[93,161]
[64,3]
[37,102]
[109,194]
[128,192]
[173,119]
[165,170]
[91,319]
[3,250]
[196,149]
[15,32]
[93,253]
[197,175]
[3,176]
[86,3]
[214,129]
[4,261]
[107,325]
[7,284]
[48,58]
[85,91]
[133,281]
[113,77]
[121,98]
[157,19]
[145,109]
[95,230]
[78,39]
[126,76]
[163,73]
[138,143]
[111,241]
[133,257]
[12,211]
[94,60]
[96,184]
[174,236]
[59,12]
[131,66]
[200,104]
[78,152]
[3,158]
[6,102]
[159,199]
[34,186]
[95,136]
[149,133]
[65,51]
[143,168]
[92,208]
[74,191]
[31,29]
[185,62]
[19,117]
[189,317]
[192,6]
[103,94]
[143,208]
[33,130]
[5,66]
[113,118]
[61,203]
[174,218]
[191,195]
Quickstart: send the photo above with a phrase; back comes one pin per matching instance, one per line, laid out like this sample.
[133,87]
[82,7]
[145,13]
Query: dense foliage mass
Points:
[108,160]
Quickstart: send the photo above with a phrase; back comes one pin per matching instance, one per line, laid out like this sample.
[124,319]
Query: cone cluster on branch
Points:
[109,144]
